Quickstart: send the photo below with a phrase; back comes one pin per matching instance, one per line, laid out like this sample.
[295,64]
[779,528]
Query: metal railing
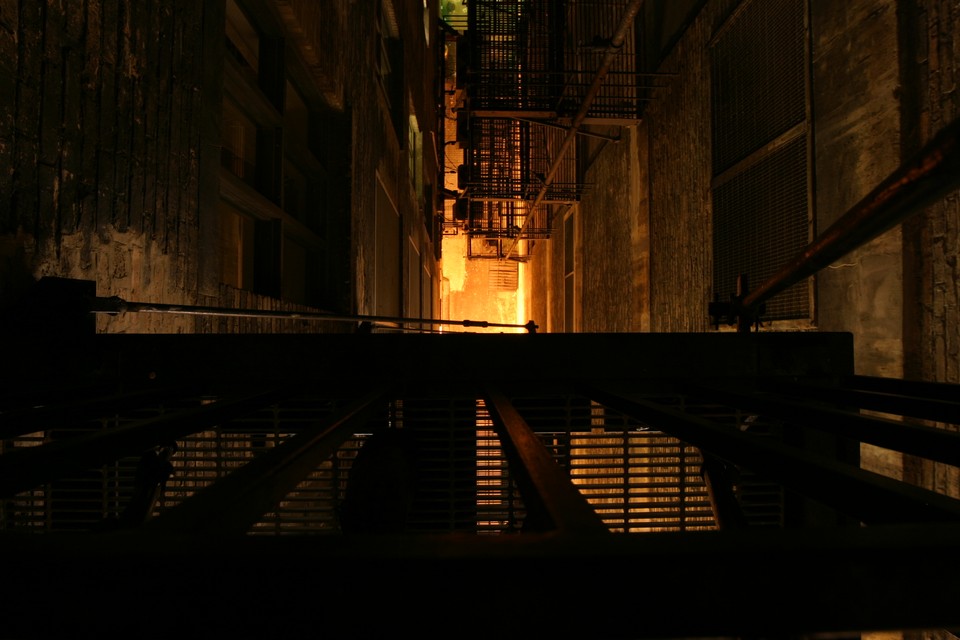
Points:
[621,467]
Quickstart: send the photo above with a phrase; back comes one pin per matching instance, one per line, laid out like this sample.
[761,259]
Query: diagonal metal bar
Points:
[551,500]
[25,468]
[870,497]
[930,175]
[235,503]
[723,501]
[927,442]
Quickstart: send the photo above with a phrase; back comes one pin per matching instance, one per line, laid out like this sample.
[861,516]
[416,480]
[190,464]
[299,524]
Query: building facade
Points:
[274,155]
[768,122]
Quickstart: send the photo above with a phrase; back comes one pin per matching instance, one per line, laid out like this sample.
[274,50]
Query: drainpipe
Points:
[612,51]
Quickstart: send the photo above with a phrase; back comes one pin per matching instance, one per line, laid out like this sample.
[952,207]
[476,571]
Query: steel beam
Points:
[551,500]
[236,502]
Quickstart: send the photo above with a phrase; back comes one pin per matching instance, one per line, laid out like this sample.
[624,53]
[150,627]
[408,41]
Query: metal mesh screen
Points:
[761,212]
[759,79]
[760,221]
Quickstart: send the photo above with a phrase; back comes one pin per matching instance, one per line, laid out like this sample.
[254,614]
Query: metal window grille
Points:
[759,222]
[760,150]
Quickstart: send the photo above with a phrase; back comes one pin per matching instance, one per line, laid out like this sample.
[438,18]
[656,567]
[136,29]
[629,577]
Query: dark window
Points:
[273,188]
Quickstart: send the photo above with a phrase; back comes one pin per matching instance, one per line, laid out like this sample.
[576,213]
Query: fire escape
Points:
[561,485]
[529,76]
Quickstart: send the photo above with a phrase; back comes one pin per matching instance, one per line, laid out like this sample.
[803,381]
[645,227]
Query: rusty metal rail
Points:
[870,497]
[930,175]
[552,502]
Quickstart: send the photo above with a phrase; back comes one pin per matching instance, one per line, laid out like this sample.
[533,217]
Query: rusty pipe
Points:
[927,177]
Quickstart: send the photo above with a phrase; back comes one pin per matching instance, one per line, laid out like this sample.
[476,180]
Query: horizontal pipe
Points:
[926,442]
[924,408]
[917,388]
[115,305]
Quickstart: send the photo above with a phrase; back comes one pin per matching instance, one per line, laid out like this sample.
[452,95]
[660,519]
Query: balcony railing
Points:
[651,462]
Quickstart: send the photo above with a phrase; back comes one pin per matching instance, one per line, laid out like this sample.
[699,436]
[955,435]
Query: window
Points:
[239,143]
[415,156]
[243,41]
[761,208]
[272,187]
[390,63]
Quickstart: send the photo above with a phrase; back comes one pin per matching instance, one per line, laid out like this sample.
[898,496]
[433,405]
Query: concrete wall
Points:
[857,145]
[100,144]
[110,149]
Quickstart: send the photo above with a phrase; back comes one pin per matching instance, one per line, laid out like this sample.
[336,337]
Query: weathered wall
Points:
[110,148]
[100,116]
[609,212]
[929,37]
[378,152]
[857,145]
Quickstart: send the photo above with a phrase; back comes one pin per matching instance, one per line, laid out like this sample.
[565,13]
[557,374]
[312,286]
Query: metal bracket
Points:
[736,312]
